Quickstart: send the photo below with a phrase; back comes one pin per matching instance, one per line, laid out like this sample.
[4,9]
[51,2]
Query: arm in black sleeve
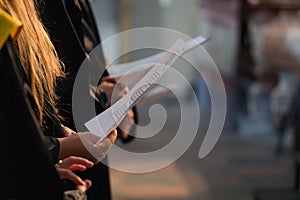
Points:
[52,144]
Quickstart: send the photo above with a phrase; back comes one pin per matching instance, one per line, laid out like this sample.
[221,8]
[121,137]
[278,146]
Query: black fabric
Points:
[53,147]
[27,169]
[69,50]
[52,128]
[69,45]
[70,35]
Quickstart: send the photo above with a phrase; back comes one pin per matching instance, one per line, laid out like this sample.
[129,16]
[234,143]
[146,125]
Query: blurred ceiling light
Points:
[165,4]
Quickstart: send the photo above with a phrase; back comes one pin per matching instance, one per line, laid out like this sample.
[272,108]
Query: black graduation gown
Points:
[67,31]
[68,41]
[26,167]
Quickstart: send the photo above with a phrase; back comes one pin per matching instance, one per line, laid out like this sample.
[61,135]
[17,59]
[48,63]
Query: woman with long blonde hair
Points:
[37,55]
[42,68]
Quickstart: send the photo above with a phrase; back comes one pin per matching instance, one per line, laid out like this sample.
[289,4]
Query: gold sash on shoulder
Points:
[8,27]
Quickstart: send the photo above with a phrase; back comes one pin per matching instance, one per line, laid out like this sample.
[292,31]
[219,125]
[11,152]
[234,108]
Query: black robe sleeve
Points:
[28,171]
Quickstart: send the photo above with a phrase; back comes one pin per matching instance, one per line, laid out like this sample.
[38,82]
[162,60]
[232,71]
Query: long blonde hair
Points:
[37,55]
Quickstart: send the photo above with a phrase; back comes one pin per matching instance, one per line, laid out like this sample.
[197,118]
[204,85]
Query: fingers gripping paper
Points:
[102,124]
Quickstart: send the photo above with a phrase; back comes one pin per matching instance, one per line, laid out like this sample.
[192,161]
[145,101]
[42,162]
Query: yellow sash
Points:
[8,27]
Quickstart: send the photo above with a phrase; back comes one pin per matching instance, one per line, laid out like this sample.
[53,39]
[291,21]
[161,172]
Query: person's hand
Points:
[84,145]
[67,130]
[98,150]
[113,90]
[66,167]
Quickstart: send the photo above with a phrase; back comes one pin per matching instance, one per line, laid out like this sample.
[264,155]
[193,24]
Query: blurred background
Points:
[256,47]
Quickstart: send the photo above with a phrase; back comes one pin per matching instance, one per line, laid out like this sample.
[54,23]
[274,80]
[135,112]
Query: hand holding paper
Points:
[102,124]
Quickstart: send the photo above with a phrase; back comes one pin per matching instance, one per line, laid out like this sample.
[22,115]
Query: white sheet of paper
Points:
[103,123]
[128,73]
